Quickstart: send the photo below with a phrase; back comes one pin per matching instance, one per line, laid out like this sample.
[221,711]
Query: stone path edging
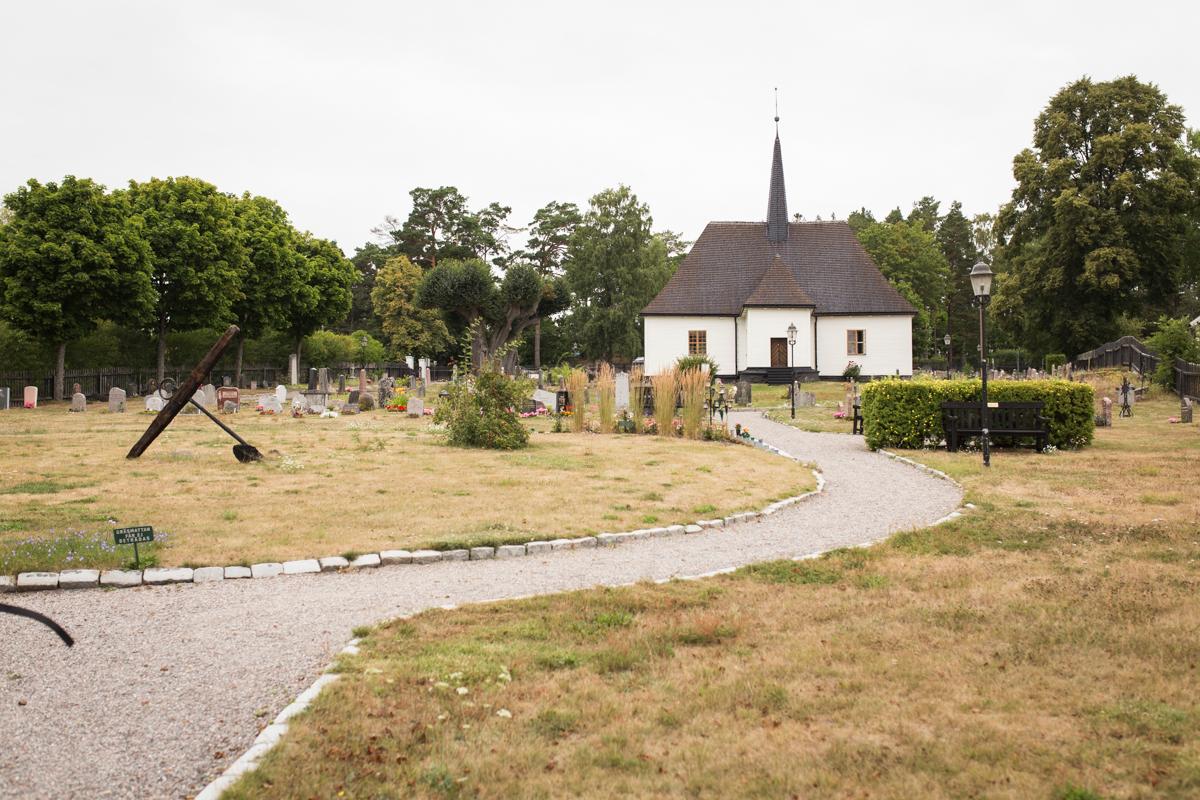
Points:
[159,576]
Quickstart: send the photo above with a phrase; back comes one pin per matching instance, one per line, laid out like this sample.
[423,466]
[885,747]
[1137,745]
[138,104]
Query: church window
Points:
[856,343]
[697,343]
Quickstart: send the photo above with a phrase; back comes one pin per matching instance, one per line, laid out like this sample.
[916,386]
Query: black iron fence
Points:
[1130,353]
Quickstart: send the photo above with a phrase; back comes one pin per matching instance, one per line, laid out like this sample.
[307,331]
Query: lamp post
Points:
[946,341]
[792,364]
[981,288]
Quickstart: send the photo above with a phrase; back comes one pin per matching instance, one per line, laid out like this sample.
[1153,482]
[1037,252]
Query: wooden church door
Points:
[779,353]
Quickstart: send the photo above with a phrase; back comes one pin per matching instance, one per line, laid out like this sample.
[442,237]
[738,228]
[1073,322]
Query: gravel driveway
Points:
[166,686]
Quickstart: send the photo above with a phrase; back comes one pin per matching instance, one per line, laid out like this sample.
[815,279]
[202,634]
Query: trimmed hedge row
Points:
[908,413]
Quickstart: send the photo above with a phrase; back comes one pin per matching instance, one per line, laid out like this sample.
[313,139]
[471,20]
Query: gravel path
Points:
[166,686]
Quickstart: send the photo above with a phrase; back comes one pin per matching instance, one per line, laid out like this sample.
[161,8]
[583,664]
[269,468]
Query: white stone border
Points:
[161,576]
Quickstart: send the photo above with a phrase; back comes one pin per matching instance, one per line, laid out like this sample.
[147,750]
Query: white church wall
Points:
[742,338]
[887,339]
[666,341]
[764,324]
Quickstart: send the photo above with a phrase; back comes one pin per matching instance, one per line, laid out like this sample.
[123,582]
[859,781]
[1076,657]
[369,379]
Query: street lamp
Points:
[792,363]
[946,341]
[981,288]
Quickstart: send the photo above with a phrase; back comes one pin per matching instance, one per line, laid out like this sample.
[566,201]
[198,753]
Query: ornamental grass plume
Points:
[577,382]
[606,393]
[665,387]
[693,384]
[637,397]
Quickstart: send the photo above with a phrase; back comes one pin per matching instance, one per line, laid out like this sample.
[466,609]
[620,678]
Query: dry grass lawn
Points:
[347,485]
[1045,646]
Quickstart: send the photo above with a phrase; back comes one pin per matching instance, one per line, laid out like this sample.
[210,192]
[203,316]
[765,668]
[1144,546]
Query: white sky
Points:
[338,109]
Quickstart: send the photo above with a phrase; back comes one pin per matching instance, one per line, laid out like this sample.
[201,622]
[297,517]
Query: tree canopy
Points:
[410,328]
[615,265]
[71,256]
[909,256]
[1103,218]
[323,296]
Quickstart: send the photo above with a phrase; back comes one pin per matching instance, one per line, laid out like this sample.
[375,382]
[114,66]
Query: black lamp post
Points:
[792,373]
[981,288]
[946,341]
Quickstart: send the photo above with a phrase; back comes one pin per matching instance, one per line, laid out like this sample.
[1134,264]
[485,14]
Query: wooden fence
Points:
[1130,353]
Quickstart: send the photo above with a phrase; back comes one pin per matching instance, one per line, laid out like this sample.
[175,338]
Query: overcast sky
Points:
[337,109]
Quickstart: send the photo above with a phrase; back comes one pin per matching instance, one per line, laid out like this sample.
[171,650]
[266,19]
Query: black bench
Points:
[1009,423]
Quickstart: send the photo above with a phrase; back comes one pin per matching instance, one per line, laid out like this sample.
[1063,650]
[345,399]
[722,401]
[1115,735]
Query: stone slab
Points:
[266,570]
[456,555]
[208,574]
[607,539]
[159,576]
[301,567]
[36,581]
[7,584]
[78,578]
[482,553]
[692,529]
[426,556]
[533,548]
[674,530]
[333,563]
[237,572]
[121,578]
[366,560]
[395,557]
[510,550]
[711,523]
[585,542]
[562,544]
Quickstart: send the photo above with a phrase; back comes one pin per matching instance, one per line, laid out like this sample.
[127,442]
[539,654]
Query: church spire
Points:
[777,215]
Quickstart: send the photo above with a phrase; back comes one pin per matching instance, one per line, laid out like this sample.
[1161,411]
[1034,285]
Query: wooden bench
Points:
[1009,423]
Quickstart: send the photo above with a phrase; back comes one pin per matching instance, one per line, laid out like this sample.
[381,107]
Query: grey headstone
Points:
[323,380]
[353,399]
[416,406]
[299,402]
[806,399]
[78,402]
[743,393]
[281,393]
[154,402]
[622,391]
[341,382]
[116,400]
[312,379]
[188,408]
[1185,410]
[210,395]
[548,399]
[5,398]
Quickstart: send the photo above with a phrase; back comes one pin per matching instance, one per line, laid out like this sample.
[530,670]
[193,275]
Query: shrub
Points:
[481,410]
[1053,360]
[852,372]
[637,396]
[606,391]
[697,361]
[577,387]
[900,413]
[1173,339]
[665,386]
[693,386]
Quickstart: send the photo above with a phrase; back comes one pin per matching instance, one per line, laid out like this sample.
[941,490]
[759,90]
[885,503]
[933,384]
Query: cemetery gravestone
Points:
[31,396]
[253,385]
[226,380]
[323,380]
[353,398]
[362,382]
[155,402]
[280,394]
[228,395]
[385,390]
[299,402]
[78,402]
[210,395]
[272,403]
[5,399]
[743,393]
[547,399]
[1185,410]
[312,379]
[806,399]
[1105,412]
[416,406]
[341,382]
[116,400]
[190,408]
[622,391]
[293,369]
[76,389]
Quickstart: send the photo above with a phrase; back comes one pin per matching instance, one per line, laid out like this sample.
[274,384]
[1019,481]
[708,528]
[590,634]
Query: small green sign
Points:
[142,533]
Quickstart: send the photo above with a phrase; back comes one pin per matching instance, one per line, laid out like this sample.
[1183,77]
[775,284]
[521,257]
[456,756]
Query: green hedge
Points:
[900,413]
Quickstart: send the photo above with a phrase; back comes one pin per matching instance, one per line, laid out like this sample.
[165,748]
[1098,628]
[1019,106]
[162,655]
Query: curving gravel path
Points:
[167,686]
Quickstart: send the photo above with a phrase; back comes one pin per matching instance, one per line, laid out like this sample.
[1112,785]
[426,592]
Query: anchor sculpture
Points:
[184,394]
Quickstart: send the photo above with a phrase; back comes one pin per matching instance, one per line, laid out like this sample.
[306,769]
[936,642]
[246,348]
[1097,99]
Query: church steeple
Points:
[777,215]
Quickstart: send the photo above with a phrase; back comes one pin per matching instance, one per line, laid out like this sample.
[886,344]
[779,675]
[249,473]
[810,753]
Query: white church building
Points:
[743,285]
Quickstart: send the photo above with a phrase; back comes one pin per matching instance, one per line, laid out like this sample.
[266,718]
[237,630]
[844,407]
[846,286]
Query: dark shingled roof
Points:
[778,287]
[730,260]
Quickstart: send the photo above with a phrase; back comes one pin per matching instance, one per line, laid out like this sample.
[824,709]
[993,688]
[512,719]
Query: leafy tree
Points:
[983,232]
[441,225]
[496,313]
[367,349]
[894,216]
[71,256]
[549,236]
[273,271]
[197,254]
[909,257]
[615,265]
[323,296]
[368,260]
[955,237]
[1103,215]
[409,328]
[1173,339]
[857,220]
[925,213]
